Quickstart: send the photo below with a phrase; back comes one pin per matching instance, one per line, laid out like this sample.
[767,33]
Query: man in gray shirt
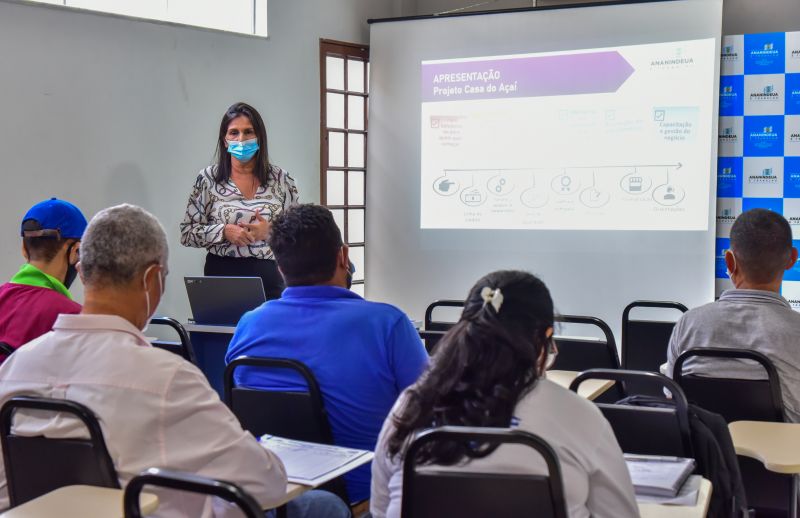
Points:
[753,315]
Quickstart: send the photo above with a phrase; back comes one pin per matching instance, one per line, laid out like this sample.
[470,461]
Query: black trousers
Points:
[267,269]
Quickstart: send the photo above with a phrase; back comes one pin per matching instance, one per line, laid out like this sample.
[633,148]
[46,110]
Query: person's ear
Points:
[730,261]
[74,255]
[80,271]
[344,257]
[792,259]
[549,332]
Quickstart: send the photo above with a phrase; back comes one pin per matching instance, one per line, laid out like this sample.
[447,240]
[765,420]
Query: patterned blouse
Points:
[212,205]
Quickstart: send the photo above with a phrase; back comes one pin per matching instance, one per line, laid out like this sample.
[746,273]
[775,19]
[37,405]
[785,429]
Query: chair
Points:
[438,326]
[430,492]
[578,354]
[641,429]
[183,348]
[188,482]
[37,465]
[734,399]
[742,400]
[295,415]
[6,349]
[430,339]
[645,342]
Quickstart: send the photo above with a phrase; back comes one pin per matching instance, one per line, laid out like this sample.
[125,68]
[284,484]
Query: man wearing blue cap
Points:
[29,304]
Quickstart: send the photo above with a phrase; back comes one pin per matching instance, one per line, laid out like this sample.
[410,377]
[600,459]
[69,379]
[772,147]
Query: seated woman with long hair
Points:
[489,370]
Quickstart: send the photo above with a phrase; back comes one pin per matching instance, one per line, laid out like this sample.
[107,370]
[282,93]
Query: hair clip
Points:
[493,297]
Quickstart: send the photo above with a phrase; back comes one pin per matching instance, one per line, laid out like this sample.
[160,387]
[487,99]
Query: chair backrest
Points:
[188,482]
[6,349]
[430,339]
[440,325]
[294,415]
[183,347]
[430,492]
[37,465]
[577,354]
[644,342]
[640,429]
[734,399]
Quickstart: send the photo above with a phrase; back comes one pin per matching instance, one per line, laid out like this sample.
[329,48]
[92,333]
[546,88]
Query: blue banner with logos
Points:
[759,138]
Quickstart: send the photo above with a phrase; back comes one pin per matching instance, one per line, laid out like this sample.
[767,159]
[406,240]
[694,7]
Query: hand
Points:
[260,229]
[237,235]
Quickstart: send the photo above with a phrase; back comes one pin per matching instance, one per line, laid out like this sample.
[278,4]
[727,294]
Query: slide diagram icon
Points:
[445,186]
[636,183]
[559,186]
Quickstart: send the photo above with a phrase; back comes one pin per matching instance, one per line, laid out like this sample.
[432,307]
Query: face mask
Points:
[243,151]
[552,353]
[147,295]
[72,270]
[350,271]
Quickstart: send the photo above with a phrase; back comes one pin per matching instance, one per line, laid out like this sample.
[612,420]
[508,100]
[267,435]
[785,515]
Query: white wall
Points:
[102,110]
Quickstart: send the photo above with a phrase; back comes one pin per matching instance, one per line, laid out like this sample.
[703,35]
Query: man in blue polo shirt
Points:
[362,353]
[32,300]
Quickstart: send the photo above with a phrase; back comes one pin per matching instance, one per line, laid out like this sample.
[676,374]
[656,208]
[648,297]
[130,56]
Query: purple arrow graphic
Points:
[571,74]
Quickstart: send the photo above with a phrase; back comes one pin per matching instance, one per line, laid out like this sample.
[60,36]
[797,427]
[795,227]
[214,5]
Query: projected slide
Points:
[604,139]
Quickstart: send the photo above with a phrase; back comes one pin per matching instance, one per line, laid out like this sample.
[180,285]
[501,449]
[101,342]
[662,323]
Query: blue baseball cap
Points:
[56,218]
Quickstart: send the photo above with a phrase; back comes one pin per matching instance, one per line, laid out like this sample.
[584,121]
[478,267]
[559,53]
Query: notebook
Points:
[313,464]
[654,475]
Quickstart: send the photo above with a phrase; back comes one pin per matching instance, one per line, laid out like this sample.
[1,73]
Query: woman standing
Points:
[234,200]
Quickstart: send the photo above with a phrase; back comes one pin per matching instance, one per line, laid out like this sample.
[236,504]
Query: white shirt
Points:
[155,410]
[595,478]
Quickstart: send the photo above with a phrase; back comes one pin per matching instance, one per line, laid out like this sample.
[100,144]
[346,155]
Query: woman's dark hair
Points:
[262,169]
[482,367]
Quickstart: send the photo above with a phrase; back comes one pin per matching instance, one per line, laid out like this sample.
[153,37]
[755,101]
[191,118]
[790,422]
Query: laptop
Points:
[221,301]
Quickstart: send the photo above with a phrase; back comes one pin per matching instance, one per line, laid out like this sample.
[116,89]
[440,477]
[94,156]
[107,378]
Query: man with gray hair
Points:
[155,409]
[752,316]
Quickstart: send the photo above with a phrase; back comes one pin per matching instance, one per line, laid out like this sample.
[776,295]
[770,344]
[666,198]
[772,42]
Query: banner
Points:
[759,139]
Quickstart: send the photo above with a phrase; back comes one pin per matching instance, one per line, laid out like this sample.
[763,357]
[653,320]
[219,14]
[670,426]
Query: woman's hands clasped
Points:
[243,234]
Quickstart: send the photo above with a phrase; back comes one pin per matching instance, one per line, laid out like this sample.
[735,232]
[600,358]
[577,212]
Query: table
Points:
[776,445]
[210,344]
[80,502]
[699,510]
[590,389]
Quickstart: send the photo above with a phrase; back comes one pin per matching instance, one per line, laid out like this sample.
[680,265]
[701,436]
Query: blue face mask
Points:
[243,151]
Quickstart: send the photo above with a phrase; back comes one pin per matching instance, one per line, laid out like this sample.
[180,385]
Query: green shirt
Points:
[30,275]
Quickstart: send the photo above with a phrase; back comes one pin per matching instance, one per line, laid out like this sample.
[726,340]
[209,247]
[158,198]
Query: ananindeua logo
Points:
[766,177]
[678,60]
[729,53]
[767,93]
[766,134]
[726,216]
[728,135]
[767,50]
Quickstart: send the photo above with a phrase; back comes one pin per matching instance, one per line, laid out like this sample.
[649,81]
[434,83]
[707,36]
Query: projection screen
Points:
[576,143]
